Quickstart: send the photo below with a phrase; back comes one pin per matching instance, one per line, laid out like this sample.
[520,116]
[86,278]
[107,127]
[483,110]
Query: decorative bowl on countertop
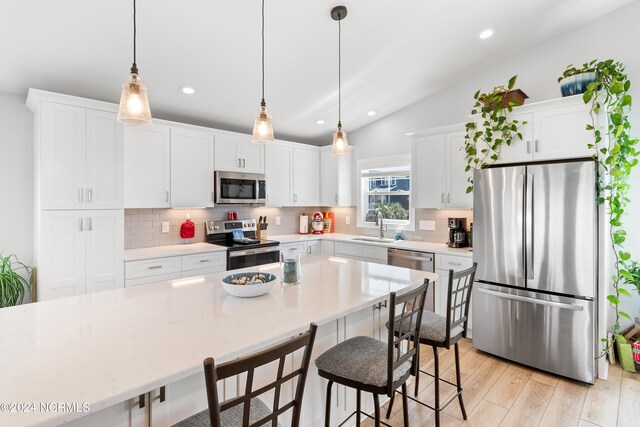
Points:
[247,285]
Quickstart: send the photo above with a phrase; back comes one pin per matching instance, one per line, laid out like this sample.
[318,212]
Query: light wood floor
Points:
[499,393]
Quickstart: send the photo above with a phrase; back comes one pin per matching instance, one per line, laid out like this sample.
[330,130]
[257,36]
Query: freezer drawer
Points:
[555,334]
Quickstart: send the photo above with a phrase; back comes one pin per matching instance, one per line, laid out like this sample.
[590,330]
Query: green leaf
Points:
[626,100]
[625,314]
[613,299]
[623,291]
[624,256]
[586,97]
[469,189]
[512,82]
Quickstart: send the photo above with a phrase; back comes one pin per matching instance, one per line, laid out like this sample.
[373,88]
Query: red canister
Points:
[230,216]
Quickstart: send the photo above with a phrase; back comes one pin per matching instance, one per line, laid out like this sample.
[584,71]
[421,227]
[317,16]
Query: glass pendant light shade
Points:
[262,127]
[134,105]
[340,146]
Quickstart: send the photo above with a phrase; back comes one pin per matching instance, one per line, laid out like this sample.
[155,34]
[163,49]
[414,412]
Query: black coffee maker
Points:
[457,233]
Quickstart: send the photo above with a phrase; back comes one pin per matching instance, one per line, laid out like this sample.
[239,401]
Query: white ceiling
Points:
[394,53]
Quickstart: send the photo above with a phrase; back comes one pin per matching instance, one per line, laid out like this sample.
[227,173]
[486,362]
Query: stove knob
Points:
[216,227]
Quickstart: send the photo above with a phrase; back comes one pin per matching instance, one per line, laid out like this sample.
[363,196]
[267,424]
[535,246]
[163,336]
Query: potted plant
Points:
[13,284]
[485,137]
[575,81]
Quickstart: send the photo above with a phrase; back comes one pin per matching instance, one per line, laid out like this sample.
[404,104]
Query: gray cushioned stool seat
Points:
[432,328]
[360,359]
[232,417]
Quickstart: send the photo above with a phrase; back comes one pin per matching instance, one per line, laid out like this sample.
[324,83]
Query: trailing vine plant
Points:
[484,139]
[616,158]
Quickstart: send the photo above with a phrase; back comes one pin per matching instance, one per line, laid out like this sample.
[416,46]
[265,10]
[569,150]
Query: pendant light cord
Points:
[263,52]
[134,68]
[339,72]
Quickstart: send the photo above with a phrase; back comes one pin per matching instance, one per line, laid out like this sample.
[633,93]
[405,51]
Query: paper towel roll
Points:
[304,224]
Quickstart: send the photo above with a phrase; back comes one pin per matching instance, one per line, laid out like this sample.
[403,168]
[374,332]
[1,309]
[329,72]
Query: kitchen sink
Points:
[380,240]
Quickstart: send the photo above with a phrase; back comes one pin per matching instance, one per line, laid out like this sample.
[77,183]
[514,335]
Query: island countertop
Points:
[103,348]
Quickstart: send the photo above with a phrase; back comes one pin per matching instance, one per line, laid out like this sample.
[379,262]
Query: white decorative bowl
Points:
[249,290]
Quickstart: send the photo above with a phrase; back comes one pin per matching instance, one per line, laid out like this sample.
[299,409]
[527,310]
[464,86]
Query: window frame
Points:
[362,195]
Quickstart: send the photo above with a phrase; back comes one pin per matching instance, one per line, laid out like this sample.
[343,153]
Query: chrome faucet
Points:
[379,221]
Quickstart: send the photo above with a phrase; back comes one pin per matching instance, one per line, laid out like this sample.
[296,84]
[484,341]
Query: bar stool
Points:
[373,366]
[248,410]
[441,332]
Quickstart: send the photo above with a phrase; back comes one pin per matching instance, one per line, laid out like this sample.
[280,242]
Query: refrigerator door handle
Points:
[573,307]
[521,226]
[528,238]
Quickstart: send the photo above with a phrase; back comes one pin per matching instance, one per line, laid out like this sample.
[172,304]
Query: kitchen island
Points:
[106,358]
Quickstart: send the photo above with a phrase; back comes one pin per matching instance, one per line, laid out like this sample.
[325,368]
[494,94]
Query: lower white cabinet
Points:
[79,252]
[361,252]
[174,267]
[327,248]
[443,264]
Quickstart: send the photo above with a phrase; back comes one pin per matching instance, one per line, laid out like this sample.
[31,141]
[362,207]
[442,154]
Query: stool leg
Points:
[393,395]
[376,404]
[436,375]
[327,412]
[405,405]
[358,411]
[457,352]
[415,393]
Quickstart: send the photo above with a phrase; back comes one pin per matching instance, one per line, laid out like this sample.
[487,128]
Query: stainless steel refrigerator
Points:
[535,242]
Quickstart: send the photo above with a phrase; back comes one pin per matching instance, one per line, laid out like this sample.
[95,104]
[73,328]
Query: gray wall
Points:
[613,36]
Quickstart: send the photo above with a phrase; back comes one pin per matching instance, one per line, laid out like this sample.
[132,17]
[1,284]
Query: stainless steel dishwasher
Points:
[423,261]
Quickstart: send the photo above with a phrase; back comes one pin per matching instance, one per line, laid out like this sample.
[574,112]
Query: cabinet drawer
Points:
[151,279]
[457,263]
[152,267]
[301,247]
[375,253]
[348,249]
[208,260]
[204,271]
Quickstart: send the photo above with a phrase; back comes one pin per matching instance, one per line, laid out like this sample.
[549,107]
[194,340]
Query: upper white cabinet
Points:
[192,165]
[80,157]
[278,166]
[236,153]
[336,179]
[555,130]
[306,177]
[438,163]
[147,154]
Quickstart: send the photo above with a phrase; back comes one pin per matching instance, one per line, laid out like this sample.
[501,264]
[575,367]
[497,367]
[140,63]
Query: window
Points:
[385,185]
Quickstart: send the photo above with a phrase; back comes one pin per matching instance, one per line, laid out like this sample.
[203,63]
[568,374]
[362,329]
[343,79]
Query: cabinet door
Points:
[559,133]
[299,247]
[191,168]
[104,231]
[327,248]
[105,160]
[457,196]
[63,156]
[227,156]
[306,177]
[314,248]
[61,259]
[183,398]
[520,150]
[329,180]
[252,156]
[278,171]
[428,167]
[146,167]
[122,414]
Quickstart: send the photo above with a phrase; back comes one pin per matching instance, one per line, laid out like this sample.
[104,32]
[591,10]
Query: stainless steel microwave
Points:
[238,188]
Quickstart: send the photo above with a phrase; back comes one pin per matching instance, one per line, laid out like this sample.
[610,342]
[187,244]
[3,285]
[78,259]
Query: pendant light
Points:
[134,105]
[340,147]
[262,127]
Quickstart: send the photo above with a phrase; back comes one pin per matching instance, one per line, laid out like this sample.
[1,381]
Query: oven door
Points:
[233,187]
[252,257]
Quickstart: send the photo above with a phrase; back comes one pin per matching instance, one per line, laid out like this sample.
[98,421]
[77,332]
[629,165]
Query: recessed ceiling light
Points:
[486,34]
[320,122]
[188,90]
[372,113]
[409,133]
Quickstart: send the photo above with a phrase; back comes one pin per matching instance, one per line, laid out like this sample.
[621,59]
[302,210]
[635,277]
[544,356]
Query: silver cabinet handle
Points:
[535,145]
[454,263]
[295,197]
[336,198]
[90,195]
[448,197]
[528,147]
[573,307]
[441,197]
[239,162]
[141,401]
[155,267]
[89,224]
[205,260]
[166,196]
[81,195]
[81,221]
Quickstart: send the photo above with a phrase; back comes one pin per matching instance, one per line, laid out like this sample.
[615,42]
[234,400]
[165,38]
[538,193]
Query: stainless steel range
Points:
[246,252]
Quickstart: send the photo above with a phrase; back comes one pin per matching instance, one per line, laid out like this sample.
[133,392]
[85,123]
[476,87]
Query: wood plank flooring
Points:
[501,393]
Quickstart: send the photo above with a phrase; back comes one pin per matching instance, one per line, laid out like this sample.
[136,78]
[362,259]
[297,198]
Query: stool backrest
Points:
[460,286]
[408,322]
[248,364]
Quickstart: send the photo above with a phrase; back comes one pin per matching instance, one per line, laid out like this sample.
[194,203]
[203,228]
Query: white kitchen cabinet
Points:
[327,248]
[300,247]
[314,248]
[279,173]
[192,165]
[336,179]
[152,270]
[80,158]
[520,149]
[147,173]
[234,152]
[361,252]
[123,414]
[444,263]
[438,163]
[80,252]
[306,177]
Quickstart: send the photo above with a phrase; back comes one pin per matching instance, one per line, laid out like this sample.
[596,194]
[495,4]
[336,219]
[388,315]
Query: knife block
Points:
[261,234]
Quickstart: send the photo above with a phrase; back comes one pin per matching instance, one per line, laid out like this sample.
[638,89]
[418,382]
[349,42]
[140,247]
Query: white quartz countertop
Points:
[107,347]
[414,245]
[171,250]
